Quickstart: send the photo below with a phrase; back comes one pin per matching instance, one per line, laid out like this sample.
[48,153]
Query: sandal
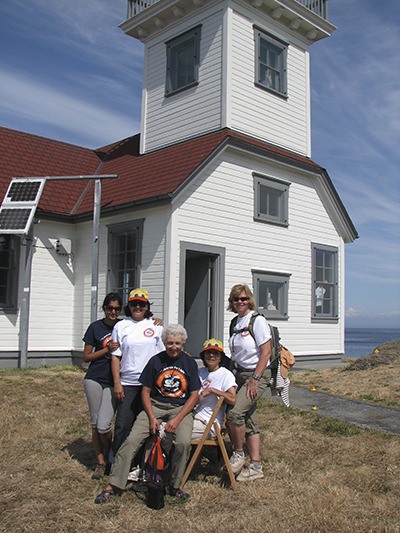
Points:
[105,495]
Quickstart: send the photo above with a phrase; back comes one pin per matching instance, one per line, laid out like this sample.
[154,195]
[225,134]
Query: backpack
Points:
[275,337]
[155,466]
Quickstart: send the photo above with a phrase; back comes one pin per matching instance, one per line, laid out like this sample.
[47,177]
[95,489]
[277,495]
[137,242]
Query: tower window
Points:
[271,59]
[183,61]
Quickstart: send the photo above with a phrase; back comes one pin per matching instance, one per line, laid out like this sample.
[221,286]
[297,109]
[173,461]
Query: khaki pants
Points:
[140,431]
[244,412]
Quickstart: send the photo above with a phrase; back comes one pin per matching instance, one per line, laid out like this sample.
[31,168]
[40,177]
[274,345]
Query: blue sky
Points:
[69,73]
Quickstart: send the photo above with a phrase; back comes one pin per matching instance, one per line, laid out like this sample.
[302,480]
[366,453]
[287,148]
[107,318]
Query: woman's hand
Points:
[112,346]
[206,392]
[172,424]
[157,321]
[252,386]
[119,392]
[154,425]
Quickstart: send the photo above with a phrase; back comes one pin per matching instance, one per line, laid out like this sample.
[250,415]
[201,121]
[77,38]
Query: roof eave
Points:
[342,219]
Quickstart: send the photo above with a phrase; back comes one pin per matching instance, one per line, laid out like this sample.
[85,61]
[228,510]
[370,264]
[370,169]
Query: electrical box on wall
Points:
[63,246]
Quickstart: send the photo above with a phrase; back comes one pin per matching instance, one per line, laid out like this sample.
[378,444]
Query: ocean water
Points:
[360,342]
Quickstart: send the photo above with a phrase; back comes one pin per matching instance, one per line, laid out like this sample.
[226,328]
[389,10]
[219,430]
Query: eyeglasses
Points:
[112,308]
[243,299]
[207,355]
[137,303]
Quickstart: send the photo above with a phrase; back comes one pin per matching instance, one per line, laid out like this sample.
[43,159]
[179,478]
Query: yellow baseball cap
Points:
[139,294]
[213,344]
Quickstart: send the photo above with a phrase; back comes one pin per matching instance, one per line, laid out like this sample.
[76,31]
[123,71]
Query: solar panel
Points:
[14,219]
[23,191]
[19,205]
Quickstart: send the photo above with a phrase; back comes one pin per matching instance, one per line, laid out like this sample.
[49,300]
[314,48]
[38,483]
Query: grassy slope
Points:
[375,378]
[321,475]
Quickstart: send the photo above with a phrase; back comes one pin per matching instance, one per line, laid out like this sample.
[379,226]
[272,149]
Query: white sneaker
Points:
[135,474]
[237,461]
[249,473]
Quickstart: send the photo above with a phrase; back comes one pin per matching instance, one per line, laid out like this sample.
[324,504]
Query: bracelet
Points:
[255,377]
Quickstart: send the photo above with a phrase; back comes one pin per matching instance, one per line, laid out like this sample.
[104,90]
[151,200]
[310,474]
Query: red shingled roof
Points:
[141,177]
[26,155]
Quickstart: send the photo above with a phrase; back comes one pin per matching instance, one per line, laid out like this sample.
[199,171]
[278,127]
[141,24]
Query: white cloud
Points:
[77,118]
[351,313]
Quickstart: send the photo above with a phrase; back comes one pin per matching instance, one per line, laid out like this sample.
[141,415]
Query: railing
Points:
[320,7]
[136,6]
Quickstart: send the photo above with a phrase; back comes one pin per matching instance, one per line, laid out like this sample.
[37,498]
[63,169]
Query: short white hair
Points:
[174,330]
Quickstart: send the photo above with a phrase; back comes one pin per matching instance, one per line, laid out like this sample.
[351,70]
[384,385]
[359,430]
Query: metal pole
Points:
[95,251]
[25,302]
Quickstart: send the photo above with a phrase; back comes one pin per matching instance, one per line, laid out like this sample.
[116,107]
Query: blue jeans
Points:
[127,411]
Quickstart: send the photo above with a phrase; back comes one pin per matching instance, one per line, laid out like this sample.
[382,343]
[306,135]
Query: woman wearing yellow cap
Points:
[216,381]
[139,338]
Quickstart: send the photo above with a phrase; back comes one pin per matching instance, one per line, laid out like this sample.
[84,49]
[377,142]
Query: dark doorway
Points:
[199,294]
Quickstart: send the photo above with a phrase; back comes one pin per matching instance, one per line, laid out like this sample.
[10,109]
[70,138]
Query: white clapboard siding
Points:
[52,289]
[256,111]
[152,265]
[219,211]
[195,110]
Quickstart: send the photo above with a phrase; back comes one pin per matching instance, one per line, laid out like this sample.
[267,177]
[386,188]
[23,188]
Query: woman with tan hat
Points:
[139,338]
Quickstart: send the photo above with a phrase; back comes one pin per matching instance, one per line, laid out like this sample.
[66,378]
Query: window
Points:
[271,200]
[9,270]
[271,59]
[124,243]
[325,282]
[183,61]
[271,291]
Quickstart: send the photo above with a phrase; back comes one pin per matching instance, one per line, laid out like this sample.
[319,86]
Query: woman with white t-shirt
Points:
[139,338]
[250,357]
[216,381]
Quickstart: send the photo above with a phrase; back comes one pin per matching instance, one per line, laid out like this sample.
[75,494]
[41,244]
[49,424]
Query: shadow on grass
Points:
[210,465]
[81,450]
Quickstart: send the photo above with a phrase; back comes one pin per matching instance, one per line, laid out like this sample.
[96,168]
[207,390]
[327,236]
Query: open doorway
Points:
[202,290]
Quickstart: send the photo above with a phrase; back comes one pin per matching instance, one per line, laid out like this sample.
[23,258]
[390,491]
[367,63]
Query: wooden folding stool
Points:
[205,441]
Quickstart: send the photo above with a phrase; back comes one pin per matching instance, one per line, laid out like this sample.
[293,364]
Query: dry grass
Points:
[321,475]
[375,378]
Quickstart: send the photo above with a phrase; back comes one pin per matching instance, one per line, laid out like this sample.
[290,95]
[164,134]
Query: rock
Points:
[386,353]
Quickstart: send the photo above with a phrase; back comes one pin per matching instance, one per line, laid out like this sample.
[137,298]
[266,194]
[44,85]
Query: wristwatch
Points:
[255,377]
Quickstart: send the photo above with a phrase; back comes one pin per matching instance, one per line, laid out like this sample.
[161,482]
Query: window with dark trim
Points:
[183,57]
[124,253]
[271,63]
[271,200]
[271,291]
[325,282]
[9,270]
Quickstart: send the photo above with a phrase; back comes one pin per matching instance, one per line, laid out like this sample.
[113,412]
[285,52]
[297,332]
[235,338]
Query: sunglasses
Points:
[138,303]
[112,308]
[243,299]
[214,355]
